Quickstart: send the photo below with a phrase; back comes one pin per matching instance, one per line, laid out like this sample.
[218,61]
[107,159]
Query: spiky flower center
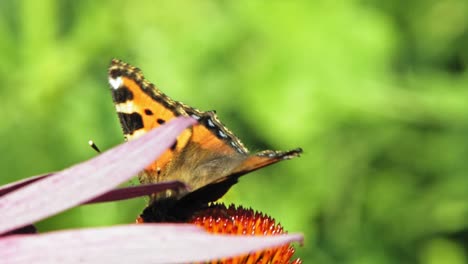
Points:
[233,220]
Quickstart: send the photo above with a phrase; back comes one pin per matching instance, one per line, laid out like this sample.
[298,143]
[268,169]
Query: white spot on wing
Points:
[126,108]
[210,123]
[222,134]
[116,83]
[136,134]
[196,117]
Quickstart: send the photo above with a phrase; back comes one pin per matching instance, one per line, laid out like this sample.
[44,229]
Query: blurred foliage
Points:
[376,92]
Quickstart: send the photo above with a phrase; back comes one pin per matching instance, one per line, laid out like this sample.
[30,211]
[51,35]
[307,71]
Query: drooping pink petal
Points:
[87,180]
[136,191]
[18,184]
[148,243]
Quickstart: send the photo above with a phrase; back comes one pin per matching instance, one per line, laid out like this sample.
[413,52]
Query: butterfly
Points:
[207,157]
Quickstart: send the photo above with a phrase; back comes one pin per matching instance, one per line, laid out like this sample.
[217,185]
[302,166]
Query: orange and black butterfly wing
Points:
[210,134]
[139,104]
[206,155]
[213,135]
[141,107]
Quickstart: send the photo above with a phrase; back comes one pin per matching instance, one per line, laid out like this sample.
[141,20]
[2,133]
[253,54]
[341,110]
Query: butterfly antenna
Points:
[94,146]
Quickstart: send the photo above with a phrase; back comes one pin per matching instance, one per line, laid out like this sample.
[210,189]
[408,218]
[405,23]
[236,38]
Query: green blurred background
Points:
[375,92]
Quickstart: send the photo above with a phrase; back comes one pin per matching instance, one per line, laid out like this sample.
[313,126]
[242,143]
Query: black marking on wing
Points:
[130,122]
[115,72]
[122,95]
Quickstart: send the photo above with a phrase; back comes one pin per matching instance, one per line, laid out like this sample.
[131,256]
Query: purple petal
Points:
[87,180]
[18,184]
[136,191]
[148,243]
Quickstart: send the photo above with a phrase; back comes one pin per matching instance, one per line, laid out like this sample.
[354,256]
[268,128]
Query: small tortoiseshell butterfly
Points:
[207,157]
